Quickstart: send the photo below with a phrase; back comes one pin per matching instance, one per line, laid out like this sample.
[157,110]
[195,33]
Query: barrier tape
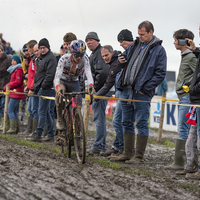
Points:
[87,97]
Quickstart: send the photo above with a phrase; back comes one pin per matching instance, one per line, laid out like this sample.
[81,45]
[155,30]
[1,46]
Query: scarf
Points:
[12,68]
[192,116]
[143,53]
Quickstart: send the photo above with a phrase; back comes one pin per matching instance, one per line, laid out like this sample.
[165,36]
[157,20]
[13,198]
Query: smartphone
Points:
[119,52]
[183,42]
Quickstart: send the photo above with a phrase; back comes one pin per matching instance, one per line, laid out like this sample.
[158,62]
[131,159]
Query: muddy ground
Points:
[28,173]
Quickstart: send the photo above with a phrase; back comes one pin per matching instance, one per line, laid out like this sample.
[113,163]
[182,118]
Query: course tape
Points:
[87,97]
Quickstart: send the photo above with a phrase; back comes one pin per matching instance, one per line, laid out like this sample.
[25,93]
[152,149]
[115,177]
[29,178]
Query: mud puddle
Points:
[28,173]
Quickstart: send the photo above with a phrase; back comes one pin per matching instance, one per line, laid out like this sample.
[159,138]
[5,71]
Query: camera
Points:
[183,42]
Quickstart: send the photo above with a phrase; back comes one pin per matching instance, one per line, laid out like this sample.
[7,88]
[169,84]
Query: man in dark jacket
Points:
[43,86]
[110,57]
[4,79]
[100,71]
[144,70]
[194,136]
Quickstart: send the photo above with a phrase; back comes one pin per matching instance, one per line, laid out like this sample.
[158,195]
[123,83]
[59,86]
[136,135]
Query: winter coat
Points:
[186,71]
[4,74]
[195,83]
[46,68]
[16,82]
[153,70]
[31,73]
[99,69]
[110,81]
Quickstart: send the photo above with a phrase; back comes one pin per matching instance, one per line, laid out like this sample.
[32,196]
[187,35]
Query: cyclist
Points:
[66,78]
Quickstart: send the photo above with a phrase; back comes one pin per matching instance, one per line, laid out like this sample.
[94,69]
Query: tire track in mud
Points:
[38,174]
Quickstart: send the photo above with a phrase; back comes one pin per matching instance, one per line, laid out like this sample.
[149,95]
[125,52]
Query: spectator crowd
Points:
[137,73]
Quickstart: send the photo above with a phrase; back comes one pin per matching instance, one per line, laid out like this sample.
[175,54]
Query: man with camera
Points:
[186,71]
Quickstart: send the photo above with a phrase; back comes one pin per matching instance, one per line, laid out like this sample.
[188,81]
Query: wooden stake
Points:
[161,118]
[6,109]
[86,115]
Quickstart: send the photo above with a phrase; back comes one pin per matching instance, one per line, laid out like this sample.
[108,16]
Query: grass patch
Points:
[189,186]
[92,132]
[118,167]
[106,164]
[164,141]
[168,143]
[30,144]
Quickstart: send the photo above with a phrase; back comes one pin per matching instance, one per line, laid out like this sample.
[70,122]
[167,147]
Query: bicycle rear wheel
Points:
[79,136]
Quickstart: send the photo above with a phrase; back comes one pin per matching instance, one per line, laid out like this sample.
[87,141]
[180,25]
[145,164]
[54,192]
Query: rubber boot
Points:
[17,125]
[13,126]
[59,107]
[141,144]
[1,127]
[180,156]
[34,126]
[129,141]
[29,127]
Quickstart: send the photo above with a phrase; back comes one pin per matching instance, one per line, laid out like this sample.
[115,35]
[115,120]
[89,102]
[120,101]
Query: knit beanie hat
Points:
[92,35]
[125,35]
[44,42]
[25,48]
[16,58]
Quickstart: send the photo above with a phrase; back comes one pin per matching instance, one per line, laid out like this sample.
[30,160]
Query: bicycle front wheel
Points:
[79,136]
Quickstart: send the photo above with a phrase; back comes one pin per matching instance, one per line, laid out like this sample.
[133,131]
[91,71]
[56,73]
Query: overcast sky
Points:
[23,20]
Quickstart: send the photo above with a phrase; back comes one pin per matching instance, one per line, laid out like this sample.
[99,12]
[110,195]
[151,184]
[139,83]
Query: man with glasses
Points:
[43,86]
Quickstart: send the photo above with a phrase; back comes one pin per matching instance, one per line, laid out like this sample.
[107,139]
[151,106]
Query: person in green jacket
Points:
[186,71]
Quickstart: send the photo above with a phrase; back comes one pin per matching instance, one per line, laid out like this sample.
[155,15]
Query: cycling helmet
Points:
[78,48]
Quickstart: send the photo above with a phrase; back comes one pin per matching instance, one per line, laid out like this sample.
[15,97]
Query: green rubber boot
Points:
[180,156]
[129,141]
[13,126]
[141,144]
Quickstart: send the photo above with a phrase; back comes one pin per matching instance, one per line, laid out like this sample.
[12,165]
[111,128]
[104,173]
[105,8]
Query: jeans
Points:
[44,115]
[2,104]
[117,123]
[33,103]
[135,110]
[99,117]
[13,107]
[183,127]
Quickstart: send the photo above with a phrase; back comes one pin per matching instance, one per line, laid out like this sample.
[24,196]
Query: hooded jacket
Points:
[153,69]
[186,71]
[16,83]
[114,68]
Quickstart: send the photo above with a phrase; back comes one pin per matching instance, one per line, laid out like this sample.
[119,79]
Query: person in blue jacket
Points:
[144,69]
[162,88]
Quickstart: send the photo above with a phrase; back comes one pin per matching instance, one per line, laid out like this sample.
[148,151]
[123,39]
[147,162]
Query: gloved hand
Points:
[91,89]
[186,86]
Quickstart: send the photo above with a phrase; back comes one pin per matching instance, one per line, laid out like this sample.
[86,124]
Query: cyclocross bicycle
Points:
[75,132]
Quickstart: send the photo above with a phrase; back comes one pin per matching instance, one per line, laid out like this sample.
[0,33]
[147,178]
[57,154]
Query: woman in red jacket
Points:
[16,83]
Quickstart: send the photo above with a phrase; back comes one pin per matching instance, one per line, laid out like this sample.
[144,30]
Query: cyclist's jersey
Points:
[64,66]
